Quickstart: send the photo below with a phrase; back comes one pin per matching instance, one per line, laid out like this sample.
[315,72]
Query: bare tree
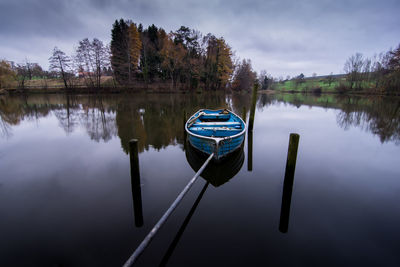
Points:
[60,63]
[353,68]
[265,79]
[84,61]
[28,67]
[366,70]
[244,76]
[36,70]
[91,58]
[22,74]
[101,59]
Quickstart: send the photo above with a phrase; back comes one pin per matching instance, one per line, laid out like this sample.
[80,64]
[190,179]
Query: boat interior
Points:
[220,123]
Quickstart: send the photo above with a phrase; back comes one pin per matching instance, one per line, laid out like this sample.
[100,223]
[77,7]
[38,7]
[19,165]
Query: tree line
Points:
[185,58]
[382,72]
[137,56]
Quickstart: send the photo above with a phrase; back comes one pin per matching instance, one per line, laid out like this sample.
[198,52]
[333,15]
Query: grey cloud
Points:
[32,18]
[282,36]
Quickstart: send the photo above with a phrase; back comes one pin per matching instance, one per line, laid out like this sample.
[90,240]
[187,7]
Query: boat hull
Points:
[220,148]
[227,136]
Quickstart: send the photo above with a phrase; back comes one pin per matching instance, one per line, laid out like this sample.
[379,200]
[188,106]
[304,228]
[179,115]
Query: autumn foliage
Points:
[182,59]
[7,75]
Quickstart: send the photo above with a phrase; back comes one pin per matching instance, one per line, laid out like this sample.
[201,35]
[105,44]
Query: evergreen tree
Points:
[119,51]
[150,60]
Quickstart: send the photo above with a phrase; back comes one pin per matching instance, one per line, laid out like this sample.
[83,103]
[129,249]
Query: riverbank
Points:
[119,90]
[108,86]
[84,85]
[336,84]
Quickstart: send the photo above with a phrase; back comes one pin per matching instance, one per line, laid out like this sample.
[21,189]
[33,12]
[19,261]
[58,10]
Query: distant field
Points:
[308,85]
[322,83]
[55,83]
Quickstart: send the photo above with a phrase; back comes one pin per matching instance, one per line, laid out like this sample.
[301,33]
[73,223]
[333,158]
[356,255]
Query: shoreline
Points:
[120,90]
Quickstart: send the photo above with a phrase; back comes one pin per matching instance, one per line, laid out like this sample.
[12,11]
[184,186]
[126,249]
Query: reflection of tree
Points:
[379,116]
[67,115]
[15,109]
[70,110]
[265,100]
[157,119]
[130,125]
[240,101]
[88,112]
[5,128]
[99,123]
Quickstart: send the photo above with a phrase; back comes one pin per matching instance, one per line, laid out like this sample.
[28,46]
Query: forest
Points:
[139,58]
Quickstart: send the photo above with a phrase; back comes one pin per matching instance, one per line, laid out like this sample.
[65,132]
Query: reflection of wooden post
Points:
[244,114]
[135,182]
[178,235]
[250,129]
[184,130]
[250,151]
[253,107]
[288,182]
[68,114]
[184,119]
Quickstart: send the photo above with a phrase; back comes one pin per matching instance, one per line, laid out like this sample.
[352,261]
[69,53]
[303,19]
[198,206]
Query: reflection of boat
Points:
[215,131]
[217,173]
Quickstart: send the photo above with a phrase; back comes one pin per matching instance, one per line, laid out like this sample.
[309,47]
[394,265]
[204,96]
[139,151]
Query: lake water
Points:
[66,192]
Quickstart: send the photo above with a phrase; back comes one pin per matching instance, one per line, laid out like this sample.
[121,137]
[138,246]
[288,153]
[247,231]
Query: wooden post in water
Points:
[253,106]
[184,120]
[139,250]
[288,182]
[135,182]
[250,151]
[184,131]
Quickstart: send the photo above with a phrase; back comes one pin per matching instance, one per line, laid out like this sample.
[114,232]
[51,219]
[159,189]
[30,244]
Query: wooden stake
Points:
[250,151]
[135,182]
[288,182]
[253,107]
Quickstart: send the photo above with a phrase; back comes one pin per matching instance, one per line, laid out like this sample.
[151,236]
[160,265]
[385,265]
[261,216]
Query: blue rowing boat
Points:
[215,131]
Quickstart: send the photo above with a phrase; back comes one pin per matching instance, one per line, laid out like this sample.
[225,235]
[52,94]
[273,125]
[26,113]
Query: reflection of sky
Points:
[346,183]
[65,198]
[62,193]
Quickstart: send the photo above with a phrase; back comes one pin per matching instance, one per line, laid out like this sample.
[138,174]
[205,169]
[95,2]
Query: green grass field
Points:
[308,85]
[318,84]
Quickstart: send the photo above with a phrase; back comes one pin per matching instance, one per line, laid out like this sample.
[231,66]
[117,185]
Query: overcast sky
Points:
[283,37]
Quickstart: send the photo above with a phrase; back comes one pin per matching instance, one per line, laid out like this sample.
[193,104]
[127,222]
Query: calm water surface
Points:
[66,193]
